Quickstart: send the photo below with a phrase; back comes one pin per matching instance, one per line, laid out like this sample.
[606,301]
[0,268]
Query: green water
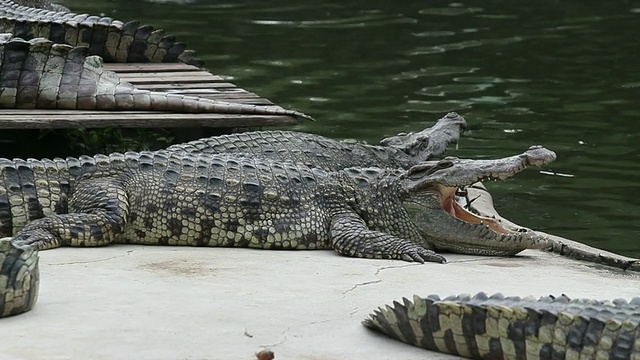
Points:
[564,74]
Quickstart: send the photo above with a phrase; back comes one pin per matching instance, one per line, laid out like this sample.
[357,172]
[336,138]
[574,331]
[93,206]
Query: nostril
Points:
[522,230]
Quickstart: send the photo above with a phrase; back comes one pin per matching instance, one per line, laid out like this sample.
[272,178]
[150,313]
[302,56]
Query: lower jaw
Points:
[475,250]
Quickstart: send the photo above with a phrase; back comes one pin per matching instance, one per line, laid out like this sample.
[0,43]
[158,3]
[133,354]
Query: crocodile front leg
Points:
[100,211]
[350,236]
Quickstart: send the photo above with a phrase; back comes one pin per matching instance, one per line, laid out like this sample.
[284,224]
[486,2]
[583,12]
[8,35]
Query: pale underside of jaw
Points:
[450,204]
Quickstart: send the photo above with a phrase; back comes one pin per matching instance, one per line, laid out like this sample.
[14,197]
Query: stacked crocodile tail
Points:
[39,73]
[498,327]
[110,39]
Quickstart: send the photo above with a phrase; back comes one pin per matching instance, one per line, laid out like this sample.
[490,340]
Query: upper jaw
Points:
[454,172]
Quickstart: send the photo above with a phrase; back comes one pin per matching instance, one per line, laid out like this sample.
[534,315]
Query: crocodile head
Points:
[431,142]
[429,195]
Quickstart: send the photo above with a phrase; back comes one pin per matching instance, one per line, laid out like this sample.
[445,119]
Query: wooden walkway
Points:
[168,77]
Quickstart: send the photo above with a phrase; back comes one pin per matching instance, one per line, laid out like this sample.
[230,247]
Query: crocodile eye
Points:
[445,163]
[422,170]
[418,171]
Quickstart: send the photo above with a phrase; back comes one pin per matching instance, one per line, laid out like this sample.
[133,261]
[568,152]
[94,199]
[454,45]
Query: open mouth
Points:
[456,202]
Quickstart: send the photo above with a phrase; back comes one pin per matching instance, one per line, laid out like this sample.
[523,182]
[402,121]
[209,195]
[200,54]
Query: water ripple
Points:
[447,89]
[341,23]
[436,107]
[435,71]
[461,45]
[450,11]
[438,33]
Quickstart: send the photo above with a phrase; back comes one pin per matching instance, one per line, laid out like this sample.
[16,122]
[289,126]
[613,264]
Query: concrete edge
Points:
[558,245]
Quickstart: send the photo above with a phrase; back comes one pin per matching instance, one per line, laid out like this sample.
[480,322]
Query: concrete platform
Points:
[152,302]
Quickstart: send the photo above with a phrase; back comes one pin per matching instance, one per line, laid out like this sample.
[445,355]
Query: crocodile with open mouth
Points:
[173,198]
[403,150]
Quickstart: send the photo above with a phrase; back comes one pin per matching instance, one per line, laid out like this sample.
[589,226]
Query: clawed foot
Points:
[419,254]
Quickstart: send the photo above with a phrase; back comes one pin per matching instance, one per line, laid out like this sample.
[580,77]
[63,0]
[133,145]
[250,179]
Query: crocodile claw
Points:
[419,254]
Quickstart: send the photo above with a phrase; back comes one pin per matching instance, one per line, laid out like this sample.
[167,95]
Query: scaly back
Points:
[110,39]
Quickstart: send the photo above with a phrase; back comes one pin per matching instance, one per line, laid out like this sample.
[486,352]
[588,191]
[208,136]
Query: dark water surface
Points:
[564,74]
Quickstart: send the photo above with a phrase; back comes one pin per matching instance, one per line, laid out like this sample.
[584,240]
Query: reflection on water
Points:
[562,74]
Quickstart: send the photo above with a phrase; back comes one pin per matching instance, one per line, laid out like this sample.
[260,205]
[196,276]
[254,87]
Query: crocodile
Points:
[39,73]
[169,198]
[400,151]
[499,327]
[110,39]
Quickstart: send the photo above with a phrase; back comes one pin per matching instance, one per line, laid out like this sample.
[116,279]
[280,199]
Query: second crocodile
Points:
[403,150]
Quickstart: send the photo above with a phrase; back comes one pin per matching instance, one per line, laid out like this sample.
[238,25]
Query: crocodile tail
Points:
[402,322]
[110,39]
[41,74]
[498,327]
[183,103]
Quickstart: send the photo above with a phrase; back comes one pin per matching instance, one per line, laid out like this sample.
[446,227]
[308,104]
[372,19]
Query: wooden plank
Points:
[218,91]
[220,87]
[177,80]
[203,75]
[157,67]
[139,119]
[13,113]
[236,98]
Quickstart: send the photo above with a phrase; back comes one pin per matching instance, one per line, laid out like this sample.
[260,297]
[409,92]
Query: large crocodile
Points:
[110,39]
[173,198]
[42,74]
[400,151]
[498,327]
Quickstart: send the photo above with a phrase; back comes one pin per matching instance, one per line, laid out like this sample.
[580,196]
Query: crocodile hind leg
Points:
[350,236]
[100,211]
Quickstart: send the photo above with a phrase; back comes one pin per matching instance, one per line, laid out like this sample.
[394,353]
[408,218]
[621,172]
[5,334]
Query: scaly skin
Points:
[110,39]
[41,74]
[482,327]
[43,4]
[169,198]
[400,151]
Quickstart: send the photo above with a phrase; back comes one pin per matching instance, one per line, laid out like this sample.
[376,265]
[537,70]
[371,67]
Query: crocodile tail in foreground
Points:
[111,39]
[498,327]
[24,279]
[41,74]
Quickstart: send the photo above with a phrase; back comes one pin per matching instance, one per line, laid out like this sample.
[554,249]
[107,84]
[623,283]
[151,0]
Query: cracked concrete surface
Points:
[151,302]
